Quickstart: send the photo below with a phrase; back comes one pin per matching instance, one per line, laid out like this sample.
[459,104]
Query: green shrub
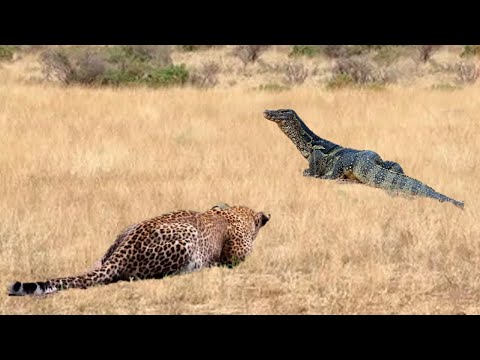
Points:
[113,65]
[345,51]
[304,50]
[156,77]
[119,77]
[127,54]
[339,81]
[470,50]
[7,51]
[170,75]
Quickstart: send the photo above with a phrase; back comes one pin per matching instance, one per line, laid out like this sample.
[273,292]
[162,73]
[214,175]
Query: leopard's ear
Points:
[220,206]
[261,218]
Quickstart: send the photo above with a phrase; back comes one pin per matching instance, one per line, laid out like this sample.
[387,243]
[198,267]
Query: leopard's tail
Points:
[95,277]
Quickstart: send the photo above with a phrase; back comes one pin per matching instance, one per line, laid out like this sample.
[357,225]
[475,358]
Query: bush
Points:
[356,71]
[333,51]
[158,55]
[467,73]
[388,54]
[190,48]
[304,50]
[113,65]
[7,51]
[90,69]
[470,50]
[339,81]
[169,75]
[56,65]
[359,70]
[119,76]
[295,73]
[345,51]
[206,75]
[249,53]
[426,51]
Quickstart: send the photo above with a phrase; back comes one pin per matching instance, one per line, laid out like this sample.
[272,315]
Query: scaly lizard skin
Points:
[327,160]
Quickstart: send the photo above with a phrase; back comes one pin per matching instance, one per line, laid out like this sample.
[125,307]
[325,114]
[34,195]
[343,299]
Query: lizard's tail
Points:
[397,183]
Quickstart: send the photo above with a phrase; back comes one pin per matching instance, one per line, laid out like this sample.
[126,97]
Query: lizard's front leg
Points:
[315,164]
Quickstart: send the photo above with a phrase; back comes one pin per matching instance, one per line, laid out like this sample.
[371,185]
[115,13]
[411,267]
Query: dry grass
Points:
[79,165]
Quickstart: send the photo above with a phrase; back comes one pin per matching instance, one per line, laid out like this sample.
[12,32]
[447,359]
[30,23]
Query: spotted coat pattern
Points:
[173,243]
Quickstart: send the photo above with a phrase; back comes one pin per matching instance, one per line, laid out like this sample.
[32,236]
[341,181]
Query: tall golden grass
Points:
[78,165]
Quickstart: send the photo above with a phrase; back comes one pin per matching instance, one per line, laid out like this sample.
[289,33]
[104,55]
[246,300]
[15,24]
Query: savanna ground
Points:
[78,165]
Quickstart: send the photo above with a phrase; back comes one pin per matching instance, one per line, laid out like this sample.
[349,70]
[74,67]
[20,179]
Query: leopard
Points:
[177,242]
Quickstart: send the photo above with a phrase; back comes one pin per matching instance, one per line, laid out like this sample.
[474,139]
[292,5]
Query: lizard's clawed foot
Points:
[347,181]
[306,172]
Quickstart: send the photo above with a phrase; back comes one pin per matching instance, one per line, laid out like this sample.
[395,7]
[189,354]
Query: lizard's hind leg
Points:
[388,165]
[392,165]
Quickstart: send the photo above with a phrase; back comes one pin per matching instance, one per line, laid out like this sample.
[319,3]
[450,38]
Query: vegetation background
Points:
[96,138]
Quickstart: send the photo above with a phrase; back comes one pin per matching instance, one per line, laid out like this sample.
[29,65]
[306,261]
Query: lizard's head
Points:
[292,126]
[280,115]
[220,206]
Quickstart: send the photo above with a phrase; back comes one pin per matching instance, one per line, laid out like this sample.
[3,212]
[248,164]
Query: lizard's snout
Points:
[268,114]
